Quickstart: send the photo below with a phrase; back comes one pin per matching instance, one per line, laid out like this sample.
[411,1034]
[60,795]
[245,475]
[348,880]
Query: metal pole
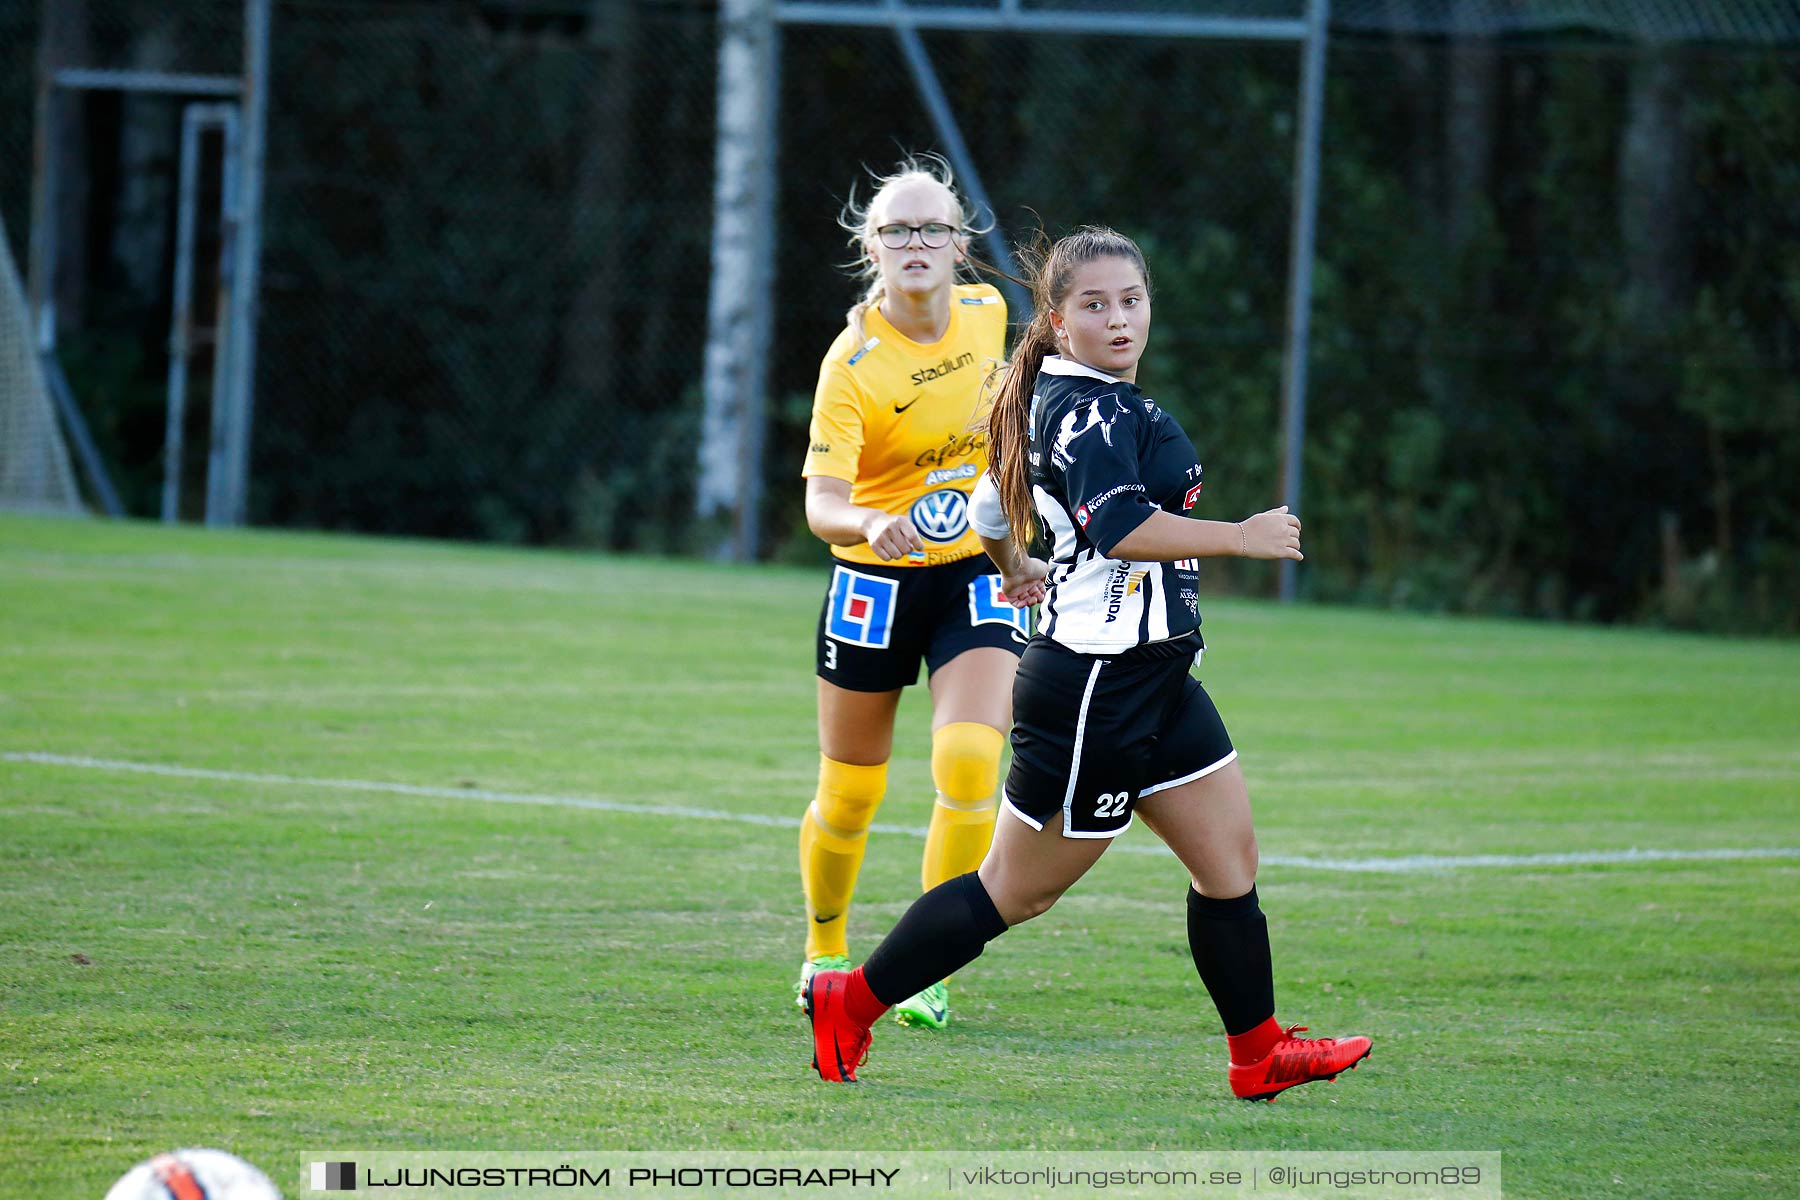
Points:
[224,414]
[1101,18]
[943,118]
[41,267]
[1300,265]
[241,394]
[225,343]
[167,83]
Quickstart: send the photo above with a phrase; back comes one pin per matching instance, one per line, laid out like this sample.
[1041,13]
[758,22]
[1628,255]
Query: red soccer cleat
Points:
[1297,1060]
[840,1044]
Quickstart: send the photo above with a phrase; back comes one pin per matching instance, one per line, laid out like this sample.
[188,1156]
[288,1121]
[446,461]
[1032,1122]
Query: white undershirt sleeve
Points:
[985,513]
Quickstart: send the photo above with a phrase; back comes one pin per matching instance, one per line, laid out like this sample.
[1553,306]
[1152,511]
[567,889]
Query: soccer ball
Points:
[194,1175]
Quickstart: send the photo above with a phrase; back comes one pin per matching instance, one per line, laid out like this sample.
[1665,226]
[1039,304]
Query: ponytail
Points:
[1009,428]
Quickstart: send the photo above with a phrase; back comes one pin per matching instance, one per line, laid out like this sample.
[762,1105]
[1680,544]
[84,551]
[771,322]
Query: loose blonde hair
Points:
[858,220]
[1050,274]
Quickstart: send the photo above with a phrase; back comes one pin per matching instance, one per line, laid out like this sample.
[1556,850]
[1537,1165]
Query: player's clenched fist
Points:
[892,535]
[1272,534]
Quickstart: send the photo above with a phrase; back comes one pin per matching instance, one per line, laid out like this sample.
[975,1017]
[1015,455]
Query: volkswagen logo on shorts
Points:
[941,516]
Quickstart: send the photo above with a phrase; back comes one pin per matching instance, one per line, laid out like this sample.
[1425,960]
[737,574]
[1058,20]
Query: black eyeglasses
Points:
[934,234]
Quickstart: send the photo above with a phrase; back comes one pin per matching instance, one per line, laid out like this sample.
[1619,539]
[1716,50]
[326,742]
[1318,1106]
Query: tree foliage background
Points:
[1556,334]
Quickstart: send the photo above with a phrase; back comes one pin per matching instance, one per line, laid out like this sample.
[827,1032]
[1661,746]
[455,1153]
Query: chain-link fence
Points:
[1558,362]
[1555,335]
[486,268]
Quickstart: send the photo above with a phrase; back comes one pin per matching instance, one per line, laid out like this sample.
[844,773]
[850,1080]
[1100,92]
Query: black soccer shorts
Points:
[878,622]
[1091,735]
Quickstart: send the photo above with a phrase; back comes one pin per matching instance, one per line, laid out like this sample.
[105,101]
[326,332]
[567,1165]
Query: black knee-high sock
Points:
[941,933]
[1230,943]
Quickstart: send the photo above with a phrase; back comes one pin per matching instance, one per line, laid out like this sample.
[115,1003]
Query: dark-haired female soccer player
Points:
[1108,721]
[893,459]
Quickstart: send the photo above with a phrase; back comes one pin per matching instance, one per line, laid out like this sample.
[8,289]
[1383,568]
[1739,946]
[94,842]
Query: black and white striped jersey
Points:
[1103,458]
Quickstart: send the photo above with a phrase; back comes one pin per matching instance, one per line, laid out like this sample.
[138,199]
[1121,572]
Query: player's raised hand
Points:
[1272,534]
[892,535]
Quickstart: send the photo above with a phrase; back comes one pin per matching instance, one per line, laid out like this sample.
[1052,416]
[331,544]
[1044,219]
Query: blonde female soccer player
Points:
[895,453]
[1109,721]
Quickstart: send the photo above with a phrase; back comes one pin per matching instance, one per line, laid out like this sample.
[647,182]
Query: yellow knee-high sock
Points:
[965,765]
[833,836]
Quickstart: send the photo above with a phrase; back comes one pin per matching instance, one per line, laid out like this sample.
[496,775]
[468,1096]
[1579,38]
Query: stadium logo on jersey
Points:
[862,609]
[947,367]
[988,606]
[941,516]
[1083,421]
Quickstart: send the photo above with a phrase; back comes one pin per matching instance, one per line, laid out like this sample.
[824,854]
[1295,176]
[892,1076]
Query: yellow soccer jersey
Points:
[895,419]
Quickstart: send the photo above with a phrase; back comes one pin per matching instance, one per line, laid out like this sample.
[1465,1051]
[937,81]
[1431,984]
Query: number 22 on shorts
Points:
[1111,804]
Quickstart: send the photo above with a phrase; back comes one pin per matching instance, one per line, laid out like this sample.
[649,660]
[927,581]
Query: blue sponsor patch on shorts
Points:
[862,609]
[988,606]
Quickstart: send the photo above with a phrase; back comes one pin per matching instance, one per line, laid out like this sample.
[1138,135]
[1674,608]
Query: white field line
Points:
[1404,864]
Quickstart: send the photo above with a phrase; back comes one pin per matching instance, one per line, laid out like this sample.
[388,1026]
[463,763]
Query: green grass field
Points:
[282,955]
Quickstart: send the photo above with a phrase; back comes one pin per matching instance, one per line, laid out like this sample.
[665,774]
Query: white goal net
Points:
[34,463]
